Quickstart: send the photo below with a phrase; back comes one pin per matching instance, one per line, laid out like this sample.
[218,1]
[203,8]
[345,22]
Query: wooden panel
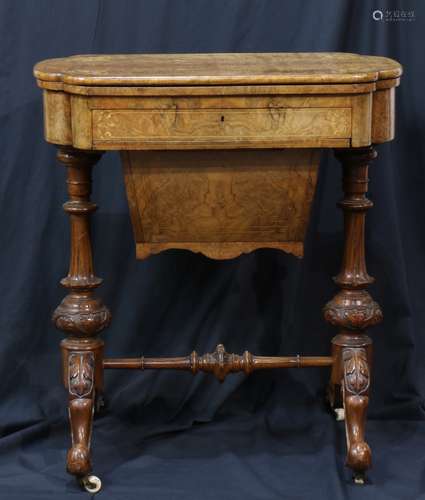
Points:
[82,129]
[383,115]
[221,204]
[212,125]
[362,118]
[57,117]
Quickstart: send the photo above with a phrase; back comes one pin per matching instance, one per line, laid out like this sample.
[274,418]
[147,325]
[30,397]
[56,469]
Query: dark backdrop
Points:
[174,436]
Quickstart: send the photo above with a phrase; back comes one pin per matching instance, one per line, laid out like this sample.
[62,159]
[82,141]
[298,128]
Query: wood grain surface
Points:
[264,100]
[217,69]
[223,203]
[154,125]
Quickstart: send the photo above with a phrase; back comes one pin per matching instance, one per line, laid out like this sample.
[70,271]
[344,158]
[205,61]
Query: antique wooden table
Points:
[220,156]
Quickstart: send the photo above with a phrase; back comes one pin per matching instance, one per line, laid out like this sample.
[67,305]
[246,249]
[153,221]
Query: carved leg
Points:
[355,392]
[352,310]
[81,405]
[82,315]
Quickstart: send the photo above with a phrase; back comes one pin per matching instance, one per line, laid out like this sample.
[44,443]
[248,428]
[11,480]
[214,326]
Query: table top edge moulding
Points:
[103,101]
[217,69]
[220,156]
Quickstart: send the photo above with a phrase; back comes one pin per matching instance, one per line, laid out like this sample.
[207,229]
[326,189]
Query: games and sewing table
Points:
[220,155]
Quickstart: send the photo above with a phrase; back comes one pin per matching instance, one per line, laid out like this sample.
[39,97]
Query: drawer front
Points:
[219,125]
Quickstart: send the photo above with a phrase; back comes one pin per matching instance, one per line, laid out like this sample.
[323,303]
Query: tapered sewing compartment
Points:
[220,203]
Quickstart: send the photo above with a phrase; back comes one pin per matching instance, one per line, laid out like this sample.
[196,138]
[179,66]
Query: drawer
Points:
[233,126]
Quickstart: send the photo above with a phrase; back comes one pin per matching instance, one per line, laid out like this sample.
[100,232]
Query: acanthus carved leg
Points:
[82,316]
[352,311]
[81,405]
[355,390]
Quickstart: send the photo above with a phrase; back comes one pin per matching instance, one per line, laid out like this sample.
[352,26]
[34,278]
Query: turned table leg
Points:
[353,310]
[82,316]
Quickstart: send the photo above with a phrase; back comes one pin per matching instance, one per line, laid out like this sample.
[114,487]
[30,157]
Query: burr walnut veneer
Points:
[220,155]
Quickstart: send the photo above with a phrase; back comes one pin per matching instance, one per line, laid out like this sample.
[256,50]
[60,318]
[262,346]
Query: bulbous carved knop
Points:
[81,315]
[221,363]
[353,310]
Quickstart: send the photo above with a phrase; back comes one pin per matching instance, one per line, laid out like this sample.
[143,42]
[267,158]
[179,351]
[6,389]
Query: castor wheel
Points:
[359,478]
[339,414]
[92,484]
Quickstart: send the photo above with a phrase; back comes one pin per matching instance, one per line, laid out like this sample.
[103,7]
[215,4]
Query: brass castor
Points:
[339,414]
[92,484]
[359,478]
